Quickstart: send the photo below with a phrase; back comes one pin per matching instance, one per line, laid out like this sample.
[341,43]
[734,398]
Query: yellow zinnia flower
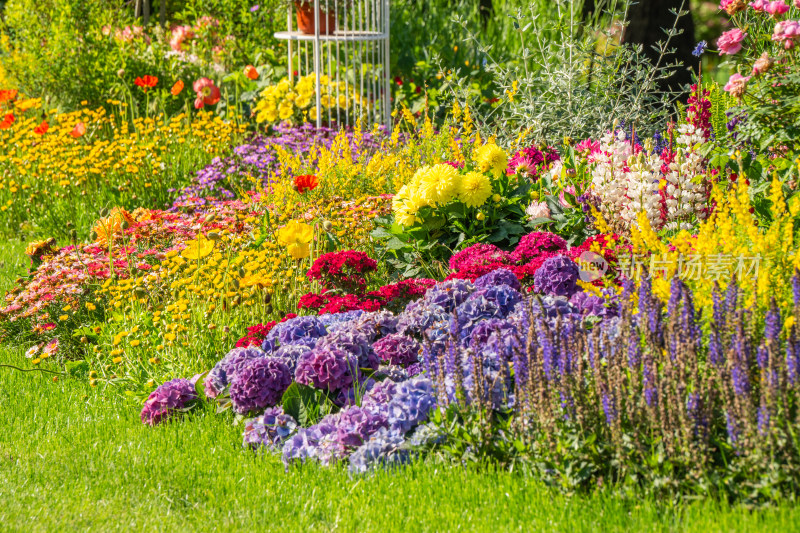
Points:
[475,189]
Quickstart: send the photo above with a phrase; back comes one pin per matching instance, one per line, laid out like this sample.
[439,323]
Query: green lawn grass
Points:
[73,457]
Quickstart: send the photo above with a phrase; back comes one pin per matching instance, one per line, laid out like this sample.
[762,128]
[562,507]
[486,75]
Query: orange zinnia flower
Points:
[78,130]
[7,95]
[305,183]
[8,120]
[146,82]
[251,72]
[177,88]
[42,128]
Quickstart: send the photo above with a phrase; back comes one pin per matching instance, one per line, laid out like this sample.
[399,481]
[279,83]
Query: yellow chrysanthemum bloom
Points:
[475,189]
[439,184]
[296,236]
[491,157]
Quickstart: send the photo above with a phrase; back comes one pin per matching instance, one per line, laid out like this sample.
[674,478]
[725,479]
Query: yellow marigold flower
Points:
[475,189]
[491,157]
[117,360]
[63,317]
[296,236]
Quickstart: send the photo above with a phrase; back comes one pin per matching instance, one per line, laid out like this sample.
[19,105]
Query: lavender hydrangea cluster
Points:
[226,369]
[327,368]
[261,383]
[558,276]
[166,400]
[386,373]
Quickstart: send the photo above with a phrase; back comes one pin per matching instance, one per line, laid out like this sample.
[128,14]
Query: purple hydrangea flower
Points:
[226,369]
[335,321]
[393,373]
[290,354]
[355,343]
[397,349]
[169,396]
[412,402]
[501,276]
[378,324]
[557,276]
[326,368]
[472,312]
[300,330]
[449,294]
[588,304]
[305,444]
[355,425]
[383,448]
[479,338]
[270,429]
[260,384]
[419,316]
[504,296]
[380,395]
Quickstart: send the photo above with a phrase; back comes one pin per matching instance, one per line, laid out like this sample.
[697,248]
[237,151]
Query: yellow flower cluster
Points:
[131,157]
[437,185]
[731,231]
[297,102]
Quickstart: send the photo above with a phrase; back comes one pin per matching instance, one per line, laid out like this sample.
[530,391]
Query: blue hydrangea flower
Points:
[501,276]
[384,448]
[557,276]
[269,430]
[412,402]
[448,294]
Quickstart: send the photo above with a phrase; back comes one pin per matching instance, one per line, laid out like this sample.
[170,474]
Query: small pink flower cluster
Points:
[775,8]
[346,270]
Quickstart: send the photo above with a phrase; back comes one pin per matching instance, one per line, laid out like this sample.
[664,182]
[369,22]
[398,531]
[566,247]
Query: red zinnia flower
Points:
[307,182]
[42,128]
[146,82]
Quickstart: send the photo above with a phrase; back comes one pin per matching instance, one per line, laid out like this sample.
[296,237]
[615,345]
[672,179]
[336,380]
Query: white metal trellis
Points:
[355,55]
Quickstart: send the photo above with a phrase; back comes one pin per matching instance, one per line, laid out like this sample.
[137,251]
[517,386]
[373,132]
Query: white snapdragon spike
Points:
[608,175]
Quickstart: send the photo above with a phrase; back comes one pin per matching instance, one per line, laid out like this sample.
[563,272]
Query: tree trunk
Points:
[647,20]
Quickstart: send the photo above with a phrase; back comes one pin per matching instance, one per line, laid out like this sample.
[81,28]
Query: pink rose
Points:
[736,85]
[777,8]
[730,42]
[786,31]
[759,5]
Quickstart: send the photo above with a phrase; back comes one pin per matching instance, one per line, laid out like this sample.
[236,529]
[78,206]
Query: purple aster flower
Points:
[226,369]
[261,383]
[166,399]
[397,349]
[326,368]
[557,276]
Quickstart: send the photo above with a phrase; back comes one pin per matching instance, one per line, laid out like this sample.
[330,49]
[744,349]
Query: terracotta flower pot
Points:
[305,19]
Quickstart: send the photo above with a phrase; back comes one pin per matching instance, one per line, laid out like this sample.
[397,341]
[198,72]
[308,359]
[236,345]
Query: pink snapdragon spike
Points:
[777,8]
[730,42]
